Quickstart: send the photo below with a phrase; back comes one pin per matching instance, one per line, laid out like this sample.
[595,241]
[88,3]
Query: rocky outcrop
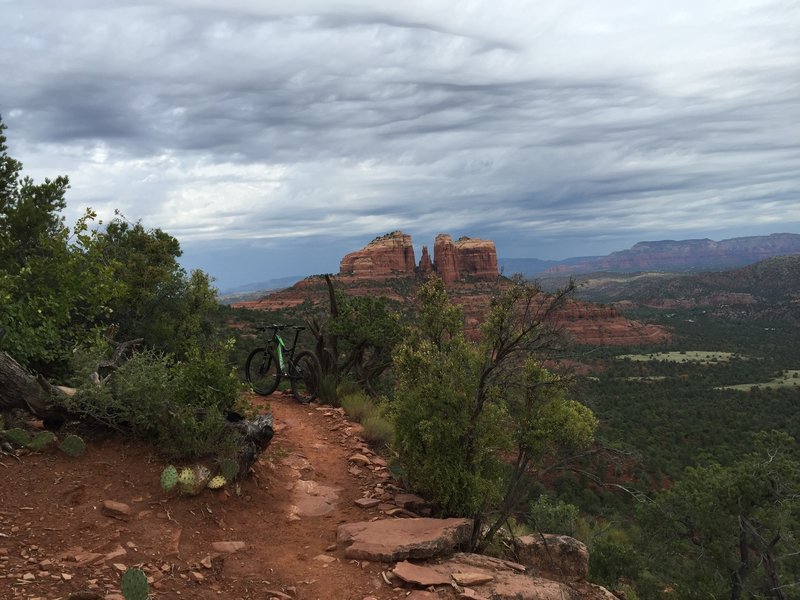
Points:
[484,577]
[391,255]
[391,540]
[559,556]
[468,258]
[425,264]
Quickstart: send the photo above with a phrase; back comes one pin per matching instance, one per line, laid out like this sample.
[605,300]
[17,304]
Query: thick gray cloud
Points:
[289,133]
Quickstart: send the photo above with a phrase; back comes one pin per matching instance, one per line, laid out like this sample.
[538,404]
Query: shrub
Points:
[357,405]
[377,429]
[180,406]
[347,387]
[327,392]
[553,516]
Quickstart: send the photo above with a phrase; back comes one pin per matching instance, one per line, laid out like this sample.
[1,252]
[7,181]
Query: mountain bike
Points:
[276,360]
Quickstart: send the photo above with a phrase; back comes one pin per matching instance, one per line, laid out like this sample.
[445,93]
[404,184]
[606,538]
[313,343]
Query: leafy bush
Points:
[553,516]
[179,405]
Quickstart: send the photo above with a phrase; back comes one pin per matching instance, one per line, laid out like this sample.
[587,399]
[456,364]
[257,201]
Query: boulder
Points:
[392,540]
[559,556]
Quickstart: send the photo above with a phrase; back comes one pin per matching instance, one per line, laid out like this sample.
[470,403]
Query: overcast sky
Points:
[272,137]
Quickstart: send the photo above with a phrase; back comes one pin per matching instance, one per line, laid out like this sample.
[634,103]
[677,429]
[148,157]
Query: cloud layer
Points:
[557,128]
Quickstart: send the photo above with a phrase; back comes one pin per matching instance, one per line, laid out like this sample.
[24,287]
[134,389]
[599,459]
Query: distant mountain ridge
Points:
[668,255]
[770,287]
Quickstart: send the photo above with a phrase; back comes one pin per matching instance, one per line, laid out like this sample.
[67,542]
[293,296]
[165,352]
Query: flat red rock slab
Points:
[419,575]
[392,540]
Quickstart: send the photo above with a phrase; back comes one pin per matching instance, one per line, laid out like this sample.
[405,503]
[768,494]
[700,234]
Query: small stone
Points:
[29,577]
[197,576]
[120,567]
[360,459]
[367,502]
[324,558]
[206,562]
[66,576]
[228,547]
[116,510]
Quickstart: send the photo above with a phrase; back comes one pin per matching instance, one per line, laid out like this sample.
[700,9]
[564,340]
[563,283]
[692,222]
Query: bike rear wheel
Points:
[262,371]
[305,374]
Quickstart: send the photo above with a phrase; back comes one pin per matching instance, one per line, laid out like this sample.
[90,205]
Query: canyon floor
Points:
[56,538]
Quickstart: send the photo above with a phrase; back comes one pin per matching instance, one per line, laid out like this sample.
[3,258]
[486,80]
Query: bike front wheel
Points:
[262,371]
[305,375]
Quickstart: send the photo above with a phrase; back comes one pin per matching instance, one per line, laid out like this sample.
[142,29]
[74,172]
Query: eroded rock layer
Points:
[391,255]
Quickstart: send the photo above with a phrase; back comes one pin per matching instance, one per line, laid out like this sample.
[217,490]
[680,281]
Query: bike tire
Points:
[262,371]
[305,373]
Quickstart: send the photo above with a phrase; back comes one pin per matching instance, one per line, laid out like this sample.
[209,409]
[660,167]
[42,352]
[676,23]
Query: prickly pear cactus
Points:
[193,480]
[41,439]
[229,469]
[186,478]
[216,482]
[134,585]
[73,446]
[17,436]
[169,477]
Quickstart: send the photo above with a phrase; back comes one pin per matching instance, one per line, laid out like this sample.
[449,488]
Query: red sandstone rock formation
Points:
[391,255]
[466,258]
[444,258]
[476,258]
[425,264]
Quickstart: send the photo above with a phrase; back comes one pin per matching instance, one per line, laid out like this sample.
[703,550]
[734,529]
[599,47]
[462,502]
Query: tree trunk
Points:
[20,389]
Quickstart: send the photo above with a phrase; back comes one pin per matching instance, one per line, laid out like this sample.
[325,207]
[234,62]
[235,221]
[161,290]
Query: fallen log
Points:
[19,389]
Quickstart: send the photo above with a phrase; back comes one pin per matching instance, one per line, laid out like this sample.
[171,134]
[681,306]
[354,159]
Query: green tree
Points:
[732,531]
[460,404]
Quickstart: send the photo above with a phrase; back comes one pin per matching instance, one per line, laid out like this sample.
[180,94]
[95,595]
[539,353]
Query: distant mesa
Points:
[686,255]
[392,255]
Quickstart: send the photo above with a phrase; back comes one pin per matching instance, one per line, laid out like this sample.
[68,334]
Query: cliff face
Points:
[391,255]
[467,257]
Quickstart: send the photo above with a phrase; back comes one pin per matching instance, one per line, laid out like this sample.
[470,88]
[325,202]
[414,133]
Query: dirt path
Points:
[55,540]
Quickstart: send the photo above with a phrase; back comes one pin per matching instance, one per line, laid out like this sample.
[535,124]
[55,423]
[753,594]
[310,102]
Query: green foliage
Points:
[458,405]
[612,559]
[73,446]
[346,387]
[179,405]
[553,516]
[378,430]
[357,405]
[366,332]
[134,585]
[731,531]
[327,392]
